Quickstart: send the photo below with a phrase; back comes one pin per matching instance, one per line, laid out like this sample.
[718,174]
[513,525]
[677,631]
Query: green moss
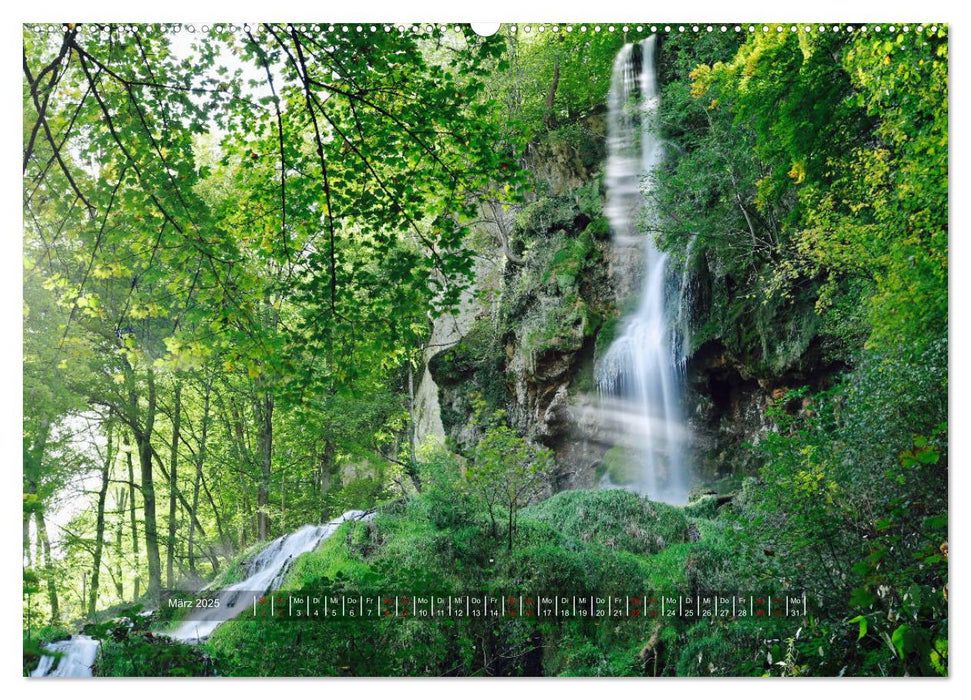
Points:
[614,518]
[146,655]
[561,328]
[599,228]
[568,261]
[587,144]
[235,569]
[590,198]
[620,467]
[666,569]
[547,214]
[705,506]
[334,559]
[607,334]
[594,541]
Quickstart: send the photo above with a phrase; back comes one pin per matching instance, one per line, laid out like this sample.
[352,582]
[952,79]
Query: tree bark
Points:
[197,482]
[413,433]
[28,559]
[121,498]
[173,486]
[245,521]
[44,547]
[143,440]
[99,533]
[134,519]
[32,470]
[264,416]
[325,476]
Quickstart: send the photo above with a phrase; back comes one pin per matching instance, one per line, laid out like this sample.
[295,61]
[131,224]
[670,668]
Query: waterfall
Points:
[78,655]
[265,572]
[639,376]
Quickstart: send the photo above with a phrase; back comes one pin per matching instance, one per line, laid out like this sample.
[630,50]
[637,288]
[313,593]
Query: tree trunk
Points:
[325,476]
[44,547]
[28,550]
[509,533]
[32,470]
[264,416]
[134,519]
[245,521]
[121,498]
[143,439]
[173,486]
[413,435]
[99,533]
[197,482]
[224,540]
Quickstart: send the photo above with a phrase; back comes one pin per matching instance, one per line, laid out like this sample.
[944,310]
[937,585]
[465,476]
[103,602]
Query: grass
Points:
[592,541]
[613,518]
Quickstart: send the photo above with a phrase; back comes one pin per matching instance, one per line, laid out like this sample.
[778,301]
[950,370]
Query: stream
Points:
[264,573]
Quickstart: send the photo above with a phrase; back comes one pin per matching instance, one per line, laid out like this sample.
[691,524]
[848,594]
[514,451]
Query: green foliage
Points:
[556,78]
[149,655]
[358,494]
[274,249]
[885,216]
[129,648]
[852,507]
[822,201]
[614,518]
[554,303]
[277,257]
[419,545]
[507,473]
[735,649]
[449,503]
[620,466]
[35,638]
[823,224]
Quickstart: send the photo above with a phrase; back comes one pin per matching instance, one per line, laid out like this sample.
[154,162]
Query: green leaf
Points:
[900,639]
[862,598]
[863,625]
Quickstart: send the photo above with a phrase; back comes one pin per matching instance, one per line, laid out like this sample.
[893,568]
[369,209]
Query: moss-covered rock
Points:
[704,506]
[613,518]
[473,367]
[620,467]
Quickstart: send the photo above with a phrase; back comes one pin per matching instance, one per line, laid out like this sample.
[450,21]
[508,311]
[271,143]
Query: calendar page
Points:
[520,349]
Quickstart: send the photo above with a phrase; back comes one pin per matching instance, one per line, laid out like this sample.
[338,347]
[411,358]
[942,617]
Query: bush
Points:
[616,519]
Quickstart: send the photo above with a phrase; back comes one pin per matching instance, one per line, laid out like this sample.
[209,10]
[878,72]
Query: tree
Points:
[238,273]
[507,473]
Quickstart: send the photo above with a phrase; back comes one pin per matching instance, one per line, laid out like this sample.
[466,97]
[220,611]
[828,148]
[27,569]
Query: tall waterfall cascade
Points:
[639,376]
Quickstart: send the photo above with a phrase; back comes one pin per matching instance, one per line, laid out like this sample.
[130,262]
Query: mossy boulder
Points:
[613,518]
[620,467]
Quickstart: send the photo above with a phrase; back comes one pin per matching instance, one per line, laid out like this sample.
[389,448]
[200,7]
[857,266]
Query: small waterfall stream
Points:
[265,572]
[79,653]
[639,375]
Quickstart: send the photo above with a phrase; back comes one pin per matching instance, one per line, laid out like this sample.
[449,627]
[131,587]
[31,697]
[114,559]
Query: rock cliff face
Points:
[550,289]
[525,338]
